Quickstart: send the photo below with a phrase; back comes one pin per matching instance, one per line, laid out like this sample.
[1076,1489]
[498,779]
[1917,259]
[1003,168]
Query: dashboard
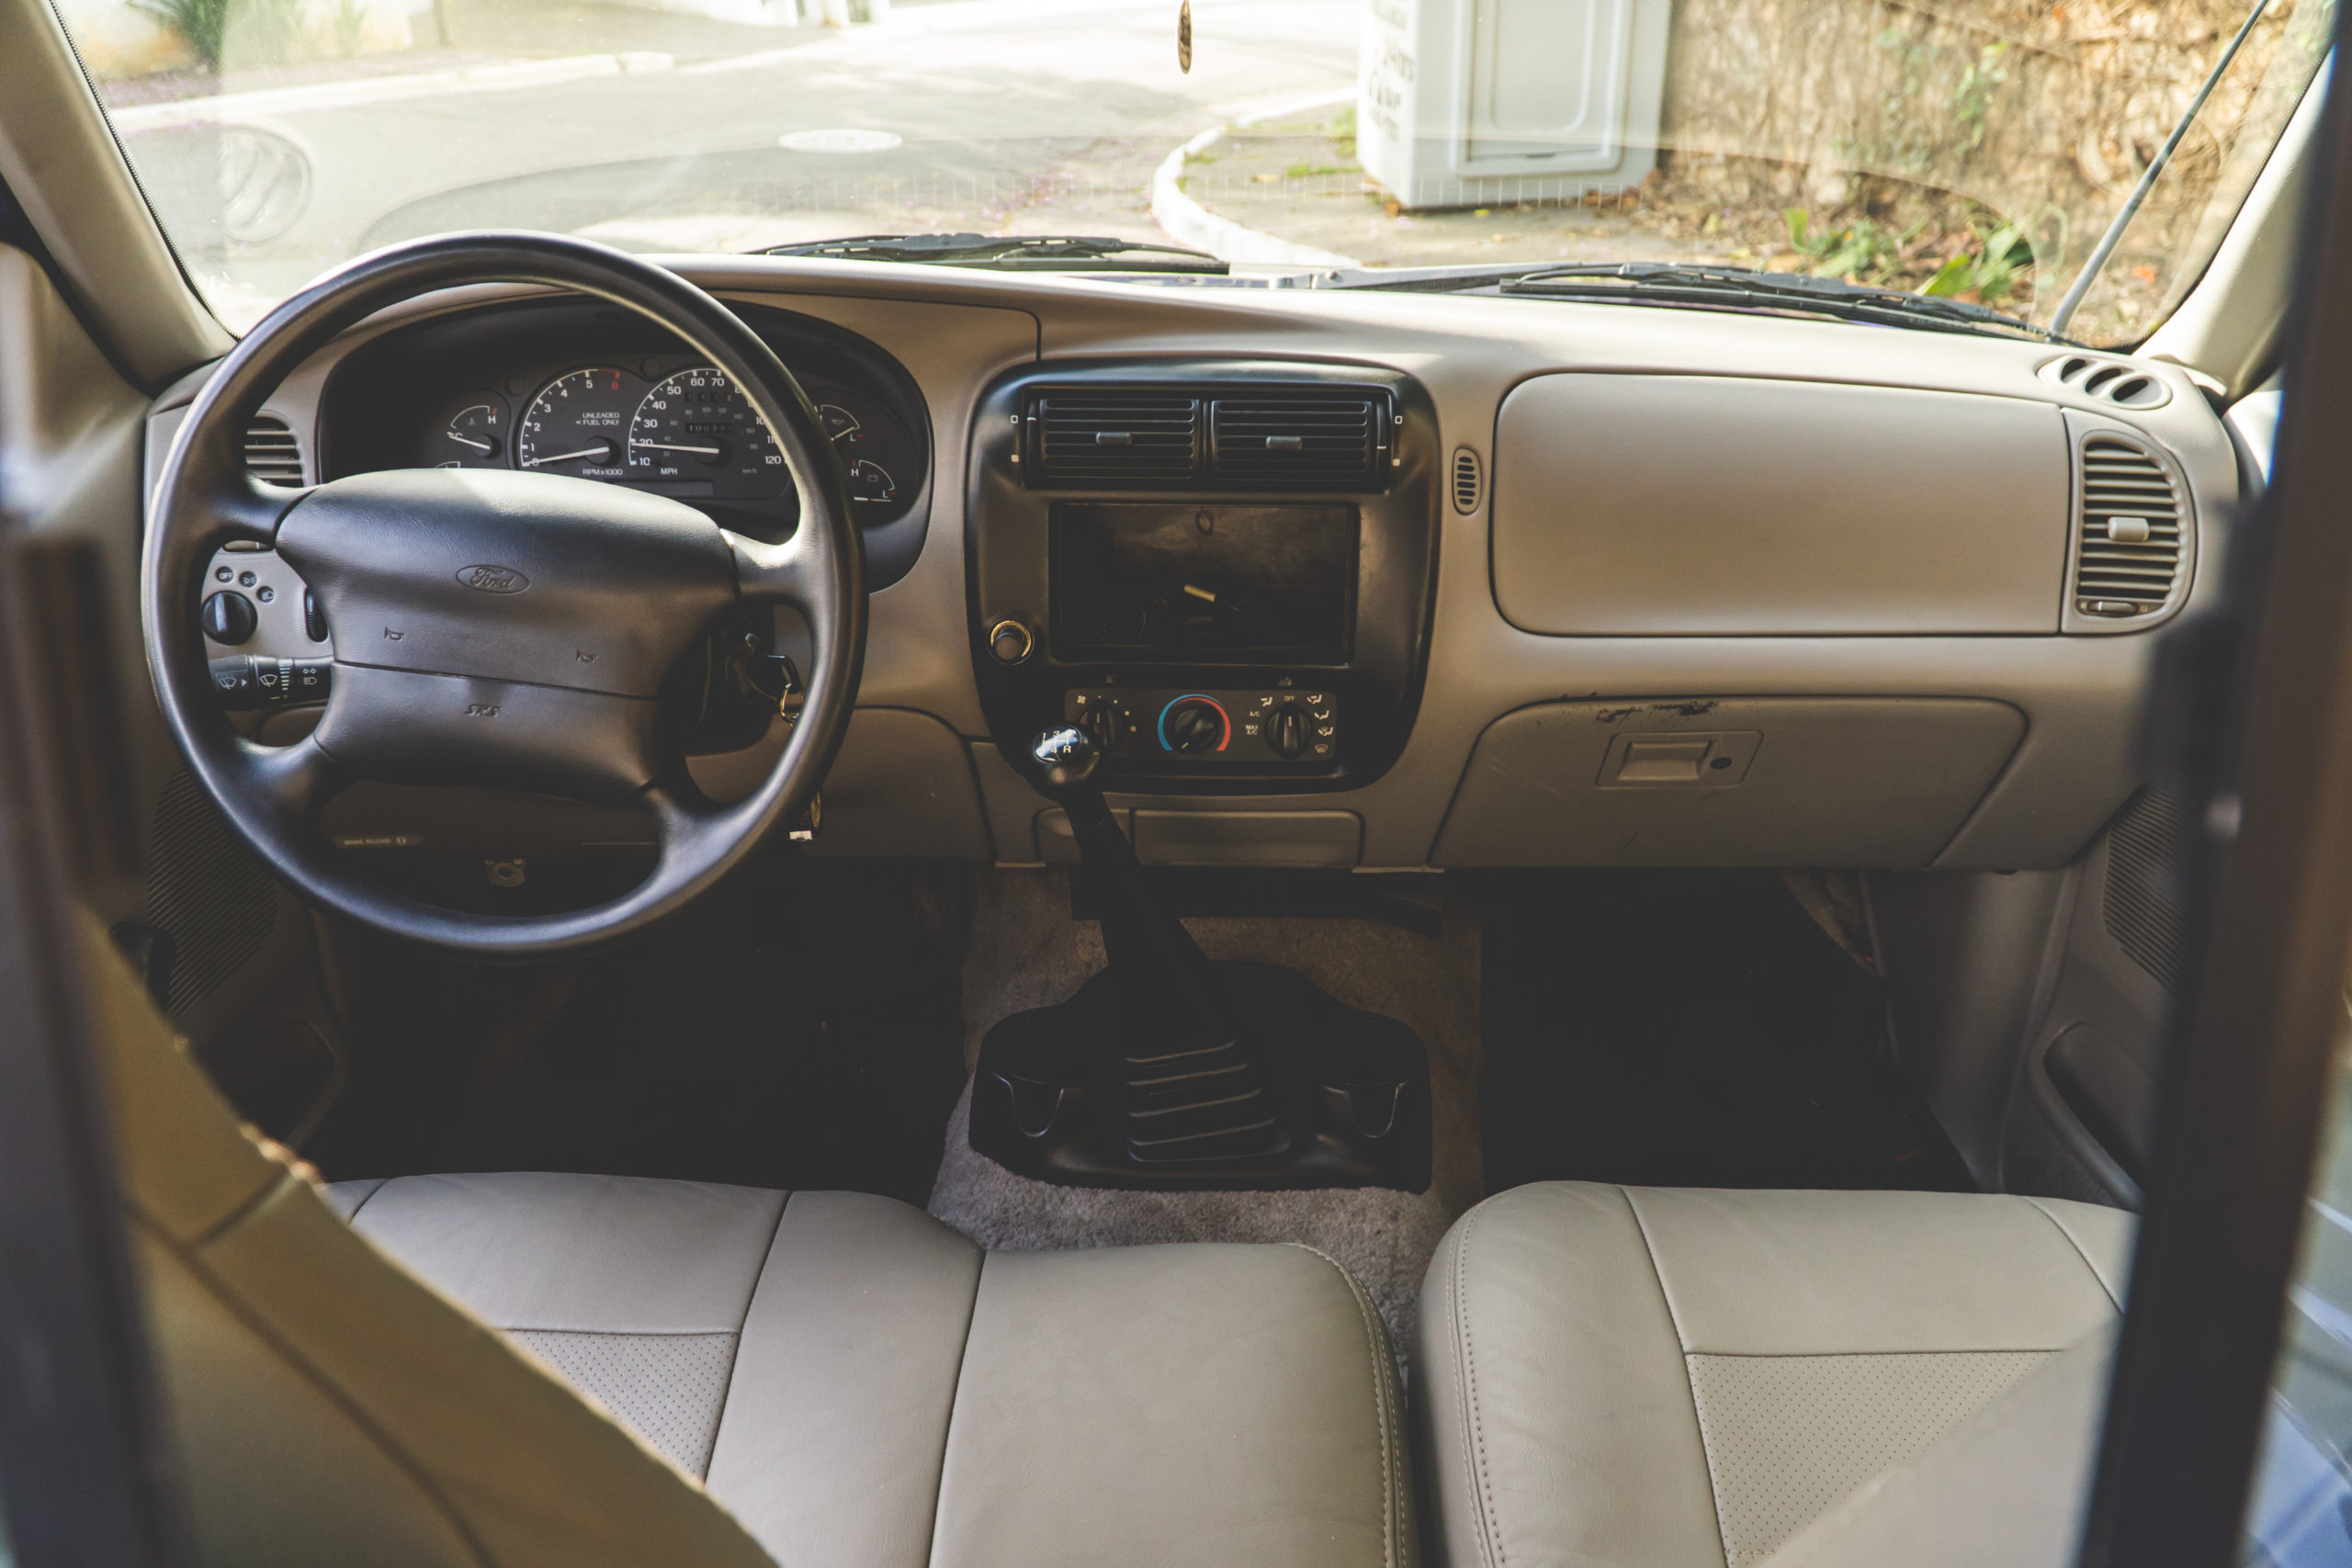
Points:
[1363,581]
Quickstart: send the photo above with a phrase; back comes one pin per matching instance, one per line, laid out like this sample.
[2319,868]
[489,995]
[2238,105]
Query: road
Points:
[994,115]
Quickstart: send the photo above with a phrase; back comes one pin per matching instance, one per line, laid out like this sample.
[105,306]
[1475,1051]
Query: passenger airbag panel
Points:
[1693,505]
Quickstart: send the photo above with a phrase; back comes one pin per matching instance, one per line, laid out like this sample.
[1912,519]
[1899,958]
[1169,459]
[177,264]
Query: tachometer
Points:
[578,424]
[698,427]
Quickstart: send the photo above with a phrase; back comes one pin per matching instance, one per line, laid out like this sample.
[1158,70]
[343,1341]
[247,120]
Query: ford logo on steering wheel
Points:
[493,579]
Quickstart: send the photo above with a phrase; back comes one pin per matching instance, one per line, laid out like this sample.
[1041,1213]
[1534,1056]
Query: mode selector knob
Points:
[1286,731]
[1194,724]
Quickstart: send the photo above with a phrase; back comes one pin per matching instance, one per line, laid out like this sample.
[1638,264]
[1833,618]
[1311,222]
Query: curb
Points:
[1194,225]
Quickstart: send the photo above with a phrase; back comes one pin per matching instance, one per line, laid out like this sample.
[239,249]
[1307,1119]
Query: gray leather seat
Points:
[1691,1379]
[862,1387]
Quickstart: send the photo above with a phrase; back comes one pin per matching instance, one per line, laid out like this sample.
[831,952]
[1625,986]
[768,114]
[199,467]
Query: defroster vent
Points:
[1325,441]
[2131,533]
[1117,437]
[272,455]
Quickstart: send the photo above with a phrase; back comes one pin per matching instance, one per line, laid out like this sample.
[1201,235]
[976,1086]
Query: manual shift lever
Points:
[1160,976]
[1166,1070]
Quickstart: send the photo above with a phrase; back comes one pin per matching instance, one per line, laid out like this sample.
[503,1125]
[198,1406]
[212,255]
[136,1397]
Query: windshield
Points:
[1970,149]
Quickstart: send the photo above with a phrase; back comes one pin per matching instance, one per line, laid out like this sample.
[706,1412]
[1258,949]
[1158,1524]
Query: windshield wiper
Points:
[1014,252]
[1748,289]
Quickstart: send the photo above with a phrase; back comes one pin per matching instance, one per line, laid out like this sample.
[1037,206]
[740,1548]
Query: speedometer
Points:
[698,428]
[576,425]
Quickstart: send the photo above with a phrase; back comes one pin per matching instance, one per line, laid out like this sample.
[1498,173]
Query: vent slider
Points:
[2128,543]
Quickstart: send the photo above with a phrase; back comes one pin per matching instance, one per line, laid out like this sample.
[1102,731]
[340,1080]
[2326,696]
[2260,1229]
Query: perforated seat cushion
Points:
[863,1388]
[1685,1379]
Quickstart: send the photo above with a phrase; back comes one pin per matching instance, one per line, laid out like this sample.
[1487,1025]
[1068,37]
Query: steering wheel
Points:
[496,627]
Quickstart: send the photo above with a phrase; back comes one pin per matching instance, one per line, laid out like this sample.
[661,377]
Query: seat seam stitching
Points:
[2096,1278]
[1474,1447]
[954,1407]
[352,1217]
[1870,1355]
[1384,1368]
[735,1355]
[622,1333]
[1690,1383]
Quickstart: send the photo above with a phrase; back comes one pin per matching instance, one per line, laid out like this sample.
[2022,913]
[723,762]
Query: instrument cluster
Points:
[667,424]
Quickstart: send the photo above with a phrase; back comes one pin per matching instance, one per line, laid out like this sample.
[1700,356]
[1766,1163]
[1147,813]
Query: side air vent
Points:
[2129,536]
[272,455]
[1116,438]
[2116,381]
[1298,438]
[1466,483]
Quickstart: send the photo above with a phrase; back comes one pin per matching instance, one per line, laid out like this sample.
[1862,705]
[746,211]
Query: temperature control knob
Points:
[1194,725]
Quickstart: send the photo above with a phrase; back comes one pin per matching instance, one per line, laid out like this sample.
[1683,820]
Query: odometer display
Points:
[696,428]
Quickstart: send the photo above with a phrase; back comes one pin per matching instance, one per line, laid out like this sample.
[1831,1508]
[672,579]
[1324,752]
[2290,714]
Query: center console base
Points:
[1350,1091]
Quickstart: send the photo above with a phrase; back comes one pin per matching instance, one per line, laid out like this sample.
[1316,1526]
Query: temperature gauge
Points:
[474,436]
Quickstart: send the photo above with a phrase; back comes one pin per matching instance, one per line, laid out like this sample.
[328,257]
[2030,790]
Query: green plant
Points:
[202,25]
[252,31]
[1992,272]
[350,25]
[1343,134]
[1860,250]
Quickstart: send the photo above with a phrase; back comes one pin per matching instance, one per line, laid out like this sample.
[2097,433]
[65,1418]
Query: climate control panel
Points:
[1285,726]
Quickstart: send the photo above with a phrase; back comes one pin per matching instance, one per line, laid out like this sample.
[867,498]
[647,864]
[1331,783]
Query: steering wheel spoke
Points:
[241,507]
[292,781]
[790,574]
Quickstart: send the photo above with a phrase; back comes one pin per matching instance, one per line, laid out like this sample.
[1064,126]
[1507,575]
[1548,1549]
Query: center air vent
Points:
[1296,439]
[2131,535]
[272,455]
[1220,435]
[1115,437]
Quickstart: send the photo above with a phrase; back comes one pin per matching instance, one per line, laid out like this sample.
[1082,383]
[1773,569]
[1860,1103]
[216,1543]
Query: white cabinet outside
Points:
[1470,103]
